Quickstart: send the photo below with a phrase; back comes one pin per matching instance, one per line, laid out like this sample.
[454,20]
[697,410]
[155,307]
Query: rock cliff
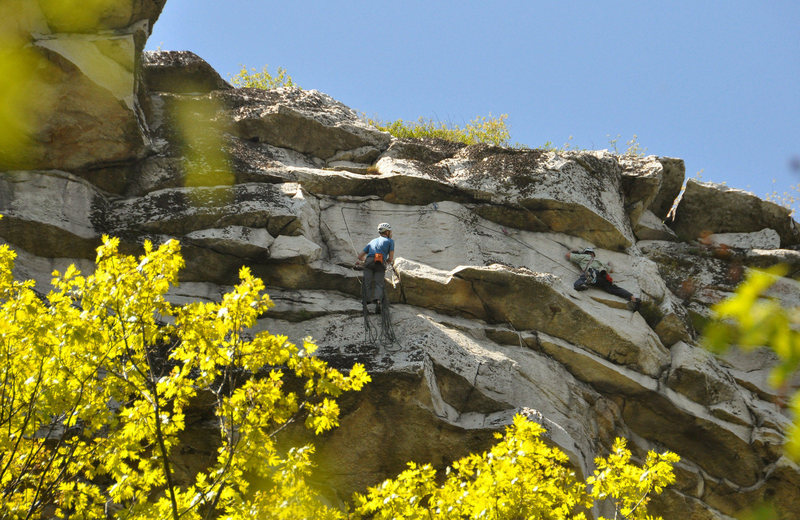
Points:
[292,183]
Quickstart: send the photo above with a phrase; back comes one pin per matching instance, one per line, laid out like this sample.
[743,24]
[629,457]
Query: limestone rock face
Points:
[292,184]
[306,121]
[708,208]
[180,72]
[651,183]
[571,192]
[80,105]
[650,227]
[764,239]
[50,213]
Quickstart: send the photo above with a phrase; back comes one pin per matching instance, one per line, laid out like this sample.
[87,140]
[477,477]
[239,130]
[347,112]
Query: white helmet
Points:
[384,226]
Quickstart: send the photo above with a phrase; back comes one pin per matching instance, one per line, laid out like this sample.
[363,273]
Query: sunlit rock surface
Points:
[80,105]
[707,208]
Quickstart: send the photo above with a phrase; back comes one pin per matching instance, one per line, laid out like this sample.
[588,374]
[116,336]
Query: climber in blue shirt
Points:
[375,256]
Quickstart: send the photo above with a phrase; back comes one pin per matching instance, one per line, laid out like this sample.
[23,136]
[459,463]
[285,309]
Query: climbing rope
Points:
[370,331]
[387,336]
[350,237]
[381,332]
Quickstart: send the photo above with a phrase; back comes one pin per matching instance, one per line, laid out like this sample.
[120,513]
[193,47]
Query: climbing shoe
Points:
[635,304]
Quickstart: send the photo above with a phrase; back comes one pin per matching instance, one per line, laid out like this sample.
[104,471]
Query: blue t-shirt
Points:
[382,245]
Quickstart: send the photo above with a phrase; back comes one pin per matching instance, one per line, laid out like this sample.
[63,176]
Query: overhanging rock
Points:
[80,107]
[306,121]
[536,301]
[707,208]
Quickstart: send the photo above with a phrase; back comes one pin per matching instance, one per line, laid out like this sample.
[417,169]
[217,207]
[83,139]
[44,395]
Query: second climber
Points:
[595,273]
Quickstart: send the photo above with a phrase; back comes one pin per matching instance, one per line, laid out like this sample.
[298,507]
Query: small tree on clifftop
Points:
[264,79]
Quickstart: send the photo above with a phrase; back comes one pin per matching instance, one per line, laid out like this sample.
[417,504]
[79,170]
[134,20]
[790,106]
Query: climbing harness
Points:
[589,275]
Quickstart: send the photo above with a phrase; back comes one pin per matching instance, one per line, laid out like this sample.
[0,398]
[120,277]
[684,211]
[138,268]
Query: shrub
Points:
[482,129]
[634,149]
[789,199]
[263,79]
[520,477]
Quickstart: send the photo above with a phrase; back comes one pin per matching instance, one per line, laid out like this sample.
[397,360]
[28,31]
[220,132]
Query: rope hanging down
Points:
[378,328]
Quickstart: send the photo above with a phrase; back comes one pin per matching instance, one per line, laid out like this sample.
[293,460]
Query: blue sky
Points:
[712,82]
